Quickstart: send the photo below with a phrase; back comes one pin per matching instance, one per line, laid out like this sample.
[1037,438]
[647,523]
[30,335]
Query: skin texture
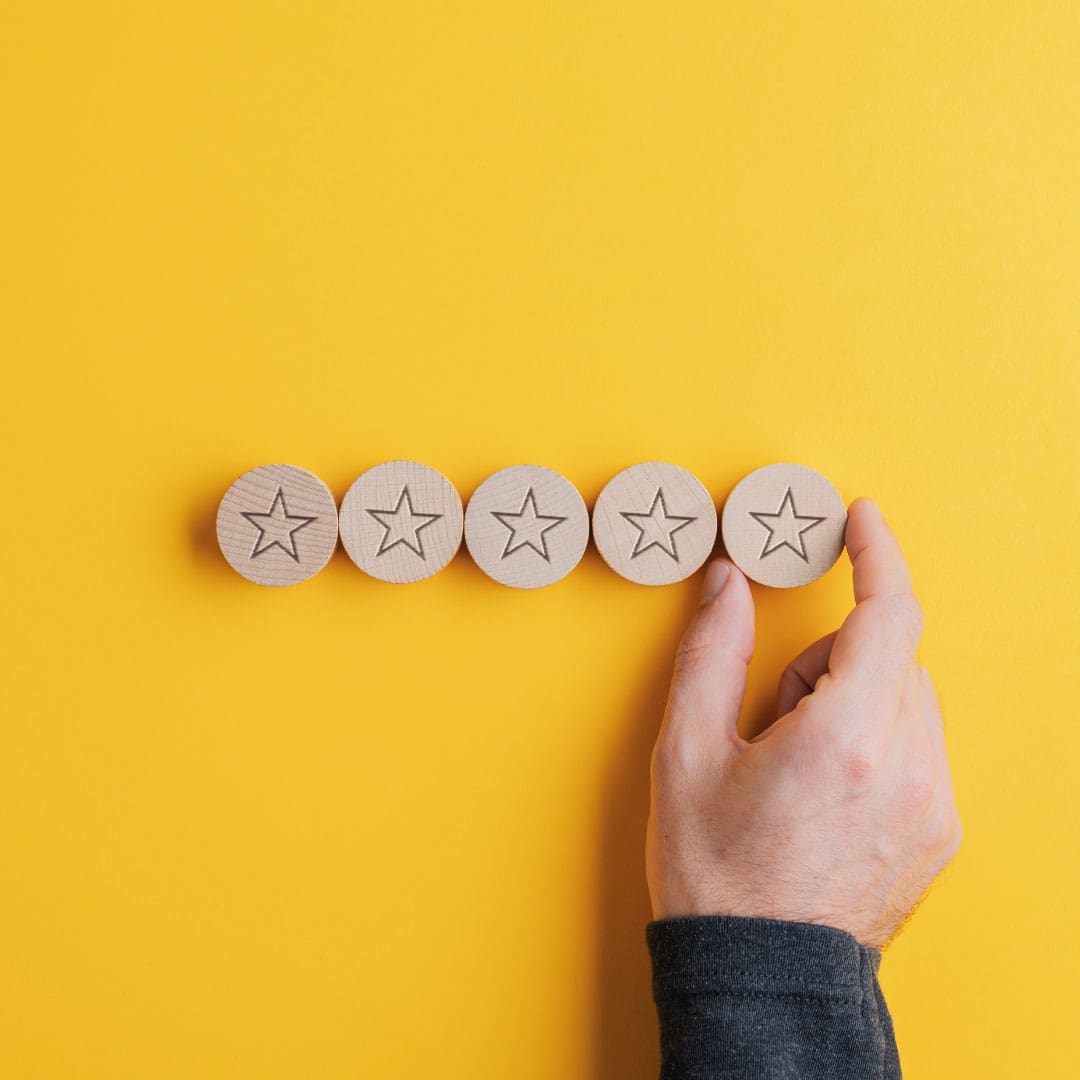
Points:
[841,812]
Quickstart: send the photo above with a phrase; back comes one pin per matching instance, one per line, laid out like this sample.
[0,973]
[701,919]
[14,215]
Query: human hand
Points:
[842,811]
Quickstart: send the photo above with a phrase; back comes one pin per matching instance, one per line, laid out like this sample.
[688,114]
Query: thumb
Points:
[709,680]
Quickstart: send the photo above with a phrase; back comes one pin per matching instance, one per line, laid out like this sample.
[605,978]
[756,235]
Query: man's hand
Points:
[842,811]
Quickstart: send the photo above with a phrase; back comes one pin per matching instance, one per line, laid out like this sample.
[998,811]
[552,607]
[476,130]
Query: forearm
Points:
[768,1000]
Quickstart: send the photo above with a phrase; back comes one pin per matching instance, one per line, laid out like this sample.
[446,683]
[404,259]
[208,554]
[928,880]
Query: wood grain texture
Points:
[277,525]
[526,526]
[401,521]
[783,525]
[654,523]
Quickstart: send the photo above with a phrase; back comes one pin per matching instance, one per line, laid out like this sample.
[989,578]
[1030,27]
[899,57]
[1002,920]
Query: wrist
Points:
[750,954]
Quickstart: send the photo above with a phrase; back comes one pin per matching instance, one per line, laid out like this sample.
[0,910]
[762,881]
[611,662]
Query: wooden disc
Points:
[277,525]
[401,521]
[526,526]
[654,523]
[784,525]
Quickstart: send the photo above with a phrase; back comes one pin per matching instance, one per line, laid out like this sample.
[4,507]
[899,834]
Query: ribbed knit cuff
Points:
[738,955]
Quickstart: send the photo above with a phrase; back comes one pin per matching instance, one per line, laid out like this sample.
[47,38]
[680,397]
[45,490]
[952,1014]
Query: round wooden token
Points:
[401,521]
[783,525]
[526,526]
[654,523]
[277,525]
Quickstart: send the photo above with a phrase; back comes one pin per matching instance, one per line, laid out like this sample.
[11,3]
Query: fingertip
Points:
[733,607]
[710,667]
[865,523]
[719,573]
[877,562]
[716,577]
[863,504]
[864,516]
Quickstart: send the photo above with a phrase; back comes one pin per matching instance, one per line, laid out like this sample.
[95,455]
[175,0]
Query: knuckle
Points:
[858,766]
[946,832]
[672,758]
[957,838]
[790,684]
[954,835]
[909,615]
[859,757]
[693,651]
[658,763]
[920,786]
[785,678]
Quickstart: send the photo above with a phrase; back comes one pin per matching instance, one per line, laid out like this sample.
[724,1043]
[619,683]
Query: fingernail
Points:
[715,579]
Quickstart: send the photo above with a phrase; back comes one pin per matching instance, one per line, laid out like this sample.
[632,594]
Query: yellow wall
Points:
[350,829]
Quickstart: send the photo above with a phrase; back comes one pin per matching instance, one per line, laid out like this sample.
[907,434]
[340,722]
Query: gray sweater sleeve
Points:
[761,999]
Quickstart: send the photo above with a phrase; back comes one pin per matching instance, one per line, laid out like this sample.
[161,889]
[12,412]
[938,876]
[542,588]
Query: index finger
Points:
[875,647]
[877,564]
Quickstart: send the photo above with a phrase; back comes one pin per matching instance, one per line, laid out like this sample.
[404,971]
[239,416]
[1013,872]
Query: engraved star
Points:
[784,528]
[658,525]
[403,524]
[525,527]
[277,527]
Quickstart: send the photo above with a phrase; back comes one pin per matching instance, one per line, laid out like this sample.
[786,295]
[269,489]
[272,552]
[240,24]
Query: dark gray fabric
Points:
[768,1000]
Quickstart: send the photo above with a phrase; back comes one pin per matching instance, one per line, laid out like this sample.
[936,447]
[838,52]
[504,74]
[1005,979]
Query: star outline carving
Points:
[669,534]
[769,548]
[510,547]
[261,548]
[388,528]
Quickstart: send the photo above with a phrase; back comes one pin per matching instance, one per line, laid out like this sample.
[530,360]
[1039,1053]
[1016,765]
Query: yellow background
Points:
[350,829]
